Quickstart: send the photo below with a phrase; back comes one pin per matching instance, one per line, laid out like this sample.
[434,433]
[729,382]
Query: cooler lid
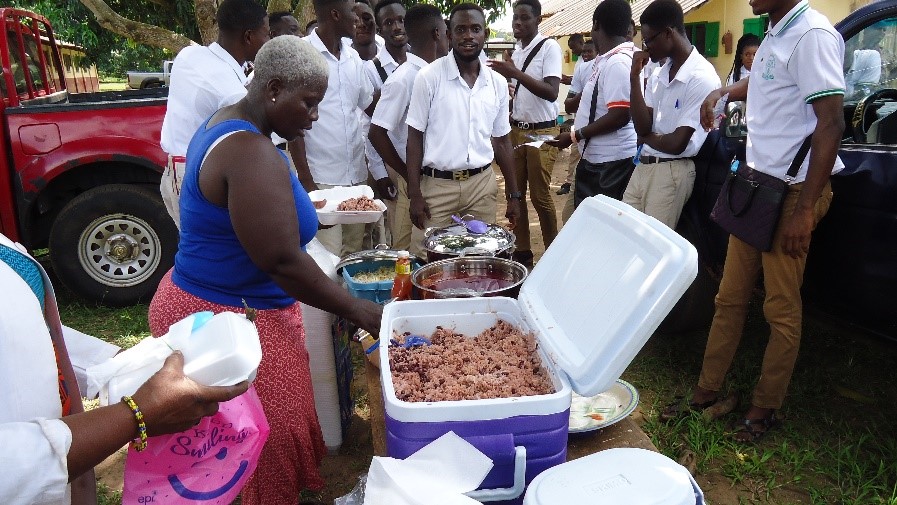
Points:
[623,475]
[603,287]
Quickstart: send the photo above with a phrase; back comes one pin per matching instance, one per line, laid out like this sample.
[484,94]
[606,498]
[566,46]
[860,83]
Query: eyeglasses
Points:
[650,40]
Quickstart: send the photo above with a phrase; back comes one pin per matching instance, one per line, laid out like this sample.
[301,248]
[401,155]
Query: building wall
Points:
[732,13]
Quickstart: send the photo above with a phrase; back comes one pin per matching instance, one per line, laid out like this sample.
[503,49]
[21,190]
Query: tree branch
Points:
[138,32]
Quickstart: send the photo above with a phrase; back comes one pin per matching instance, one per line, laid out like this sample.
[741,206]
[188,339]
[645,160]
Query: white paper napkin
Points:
[438,474]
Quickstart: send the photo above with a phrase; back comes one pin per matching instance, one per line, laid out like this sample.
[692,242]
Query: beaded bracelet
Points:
[139,443]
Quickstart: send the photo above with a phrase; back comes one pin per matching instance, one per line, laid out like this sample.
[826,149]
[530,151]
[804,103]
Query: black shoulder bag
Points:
[526,62]
[750,203]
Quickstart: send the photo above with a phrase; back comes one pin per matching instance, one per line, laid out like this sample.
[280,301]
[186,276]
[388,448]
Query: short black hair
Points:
[589,42]
[237,16]
[613,17]
[466,6]
[533,4]
[575,37]
[662,14]
[420,20]
[323,4]
[384,3]
[277,16]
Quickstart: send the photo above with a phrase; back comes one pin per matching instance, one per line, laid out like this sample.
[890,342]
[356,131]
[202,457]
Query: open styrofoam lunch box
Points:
[593,300]
[328,215]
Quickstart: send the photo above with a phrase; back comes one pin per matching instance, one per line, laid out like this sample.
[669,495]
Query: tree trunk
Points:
[138,32]
[205,19]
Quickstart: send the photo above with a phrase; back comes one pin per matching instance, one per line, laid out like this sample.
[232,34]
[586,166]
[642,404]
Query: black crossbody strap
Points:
[594,105]
[380,70]
[799,158]
[529,59]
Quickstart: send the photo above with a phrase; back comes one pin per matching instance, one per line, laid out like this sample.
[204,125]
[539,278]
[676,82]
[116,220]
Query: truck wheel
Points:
[151,83]
[113,243]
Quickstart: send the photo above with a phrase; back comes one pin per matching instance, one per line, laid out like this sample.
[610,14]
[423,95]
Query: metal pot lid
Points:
[457,239]
[381,252]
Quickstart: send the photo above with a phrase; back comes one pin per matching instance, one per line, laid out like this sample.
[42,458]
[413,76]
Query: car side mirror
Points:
[735,125]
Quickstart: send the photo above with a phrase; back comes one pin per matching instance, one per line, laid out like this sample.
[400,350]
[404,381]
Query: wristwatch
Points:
[517,195]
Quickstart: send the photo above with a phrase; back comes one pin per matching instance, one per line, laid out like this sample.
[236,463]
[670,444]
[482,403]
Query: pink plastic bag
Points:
[209,463]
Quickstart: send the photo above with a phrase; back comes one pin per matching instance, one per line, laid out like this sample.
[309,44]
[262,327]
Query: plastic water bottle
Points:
[401,284]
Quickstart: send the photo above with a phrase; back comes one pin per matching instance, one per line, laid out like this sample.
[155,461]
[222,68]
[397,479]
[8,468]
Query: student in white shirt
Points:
[796,89]
[49,444]
[603,127]
[571,103]
[204,79]
[534,112]
[458,123]
[283,23]
[667,117]
[332,153]
[365,40]
[427,40]
[745,50]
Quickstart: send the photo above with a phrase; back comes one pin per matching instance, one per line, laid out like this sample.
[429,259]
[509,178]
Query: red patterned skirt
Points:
[295,447]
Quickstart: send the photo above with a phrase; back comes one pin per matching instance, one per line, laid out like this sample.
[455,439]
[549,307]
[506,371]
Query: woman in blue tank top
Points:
[245,220]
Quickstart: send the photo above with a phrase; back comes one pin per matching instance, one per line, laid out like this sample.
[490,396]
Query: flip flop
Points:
[713,409]
[749,431]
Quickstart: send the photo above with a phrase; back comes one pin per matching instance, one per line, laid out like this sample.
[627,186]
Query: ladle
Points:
[474,225]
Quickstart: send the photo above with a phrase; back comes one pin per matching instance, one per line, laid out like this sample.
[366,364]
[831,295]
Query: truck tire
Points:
[112,244]
[151,83]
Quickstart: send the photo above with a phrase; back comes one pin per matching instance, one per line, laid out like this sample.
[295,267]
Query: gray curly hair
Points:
[292,60]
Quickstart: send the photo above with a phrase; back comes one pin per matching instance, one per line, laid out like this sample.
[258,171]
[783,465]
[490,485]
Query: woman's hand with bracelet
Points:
[171,402]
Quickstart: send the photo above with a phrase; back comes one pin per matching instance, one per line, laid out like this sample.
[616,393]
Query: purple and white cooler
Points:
[596,296]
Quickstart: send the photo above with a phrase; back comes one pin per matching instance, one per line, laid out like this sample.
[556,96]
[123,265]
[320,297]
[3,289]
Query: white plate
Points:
[329,215]
[614,404]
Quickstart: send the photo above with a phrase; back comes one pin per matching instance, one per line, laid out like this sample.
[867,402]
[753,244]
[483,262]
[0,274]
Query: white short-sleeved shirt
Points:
[458,122]
[203,80]
[389,64]
[581,73]
[395,95]
[799,60]
[609,78]
[334,147]
[745,73]
[678,103]
[546,63]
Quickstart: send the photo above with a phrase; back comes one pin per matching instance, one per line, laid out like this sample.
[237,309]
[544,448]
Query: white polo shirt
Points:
[203,80]
[458,122]
[581,73]
[334,147]
[799,61]
[609,77]
[678,103]
[546,63]
[395,95]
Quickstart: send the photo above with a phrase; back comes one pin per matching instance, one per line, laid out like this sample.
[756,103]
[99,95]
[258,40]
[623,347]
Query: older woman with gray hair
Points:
[245,221]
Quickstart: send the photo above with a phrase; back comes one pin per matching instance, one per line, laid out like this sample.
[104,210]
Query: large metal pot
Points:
[457,241]
[468,277]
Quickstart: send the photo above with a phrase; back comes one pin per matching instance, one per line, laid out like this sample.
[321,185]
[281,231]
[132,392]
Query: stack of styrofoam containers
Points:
[593,300]
[319,343]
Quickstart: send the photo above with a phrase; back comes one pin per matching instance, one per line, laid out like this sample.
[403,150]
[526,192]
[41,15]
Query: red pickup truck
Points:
[80,173]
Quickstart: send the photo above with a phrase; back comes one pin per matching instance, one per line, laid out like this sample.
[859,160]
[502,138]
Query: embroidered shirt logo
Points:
[768,70]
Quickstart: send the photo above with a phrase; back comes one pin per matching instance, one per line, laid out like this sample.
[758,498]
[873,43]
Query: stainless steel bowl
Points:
[473,276]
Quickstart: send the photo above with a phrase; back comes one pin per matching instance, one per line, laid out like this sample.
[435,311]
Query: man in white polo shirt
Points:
[457,123]
[667,116]
[331,154]
[796,89]
[603,127]
[204,79]
[389,133]
[535,74]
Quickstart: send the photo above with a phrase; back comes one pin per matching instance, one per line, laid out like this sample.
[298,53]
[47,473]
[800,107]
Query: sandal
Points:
[752,430]
[712,409]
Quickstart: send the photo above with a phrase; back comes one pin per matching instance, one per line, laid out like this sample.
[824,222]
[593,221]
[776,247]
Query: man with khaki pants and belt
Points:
[535,73]
[457,123]
[667,116]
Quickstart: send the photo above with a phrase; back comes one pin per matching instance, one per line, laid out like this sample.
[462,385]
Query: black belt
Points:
[523,125]
[454,175]
[650,160]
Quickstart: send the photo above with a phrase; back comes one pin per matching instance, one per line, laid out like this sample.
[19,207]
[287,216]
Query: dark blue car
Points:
[852,267]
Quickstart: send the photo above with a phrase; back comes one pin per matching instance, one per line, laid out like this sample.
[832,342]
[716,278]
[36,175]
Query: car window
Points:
[870,59]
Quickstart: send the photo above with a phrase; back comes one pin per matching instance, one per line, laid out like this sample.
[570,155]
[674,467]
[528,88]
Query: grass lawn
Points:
[837,444]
